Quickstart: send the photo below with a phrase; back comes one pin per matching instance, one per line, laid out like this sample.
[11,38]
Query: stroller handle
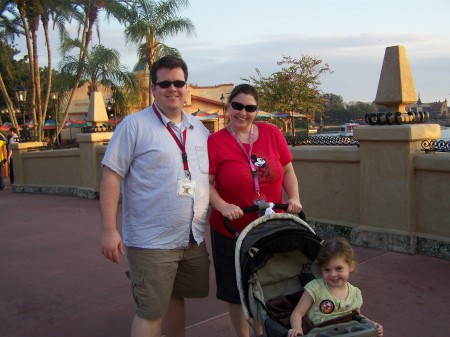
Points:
[259,207]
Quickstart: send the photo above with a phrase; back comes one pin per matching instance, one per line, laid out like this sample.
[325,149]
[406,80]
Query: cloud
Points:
[355,59]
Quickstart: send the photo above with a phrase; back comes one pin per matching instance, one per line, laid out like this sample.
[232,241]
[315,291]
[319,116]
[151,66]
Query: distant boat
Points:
[346,130]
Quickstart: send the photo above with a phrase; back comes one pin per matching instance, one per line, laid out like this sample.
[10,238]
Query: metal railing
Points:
[321,140]
[436,145]
[54,146]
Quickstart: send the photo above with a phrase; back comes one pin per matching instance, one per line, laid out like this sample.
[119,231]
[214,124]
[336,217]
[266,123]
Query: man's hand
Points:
[112,245]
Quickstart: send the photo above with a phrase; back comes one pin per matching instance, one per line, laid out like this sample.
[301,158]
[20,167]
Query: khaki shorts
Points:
[158,274]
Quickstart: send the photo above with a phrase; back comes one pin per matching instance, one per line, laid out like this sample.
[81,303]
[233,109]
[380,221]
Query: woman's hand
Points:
[232,212]
[294,206]
[295,332]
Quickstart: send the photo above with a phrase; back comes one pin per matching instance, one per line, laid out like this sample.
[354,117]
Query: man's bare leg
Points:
[146,328]
[175,318]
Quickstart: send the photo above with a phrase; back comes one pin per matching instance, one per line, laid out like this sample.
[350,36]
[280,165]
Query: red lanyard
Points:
[248,155]
[181,145]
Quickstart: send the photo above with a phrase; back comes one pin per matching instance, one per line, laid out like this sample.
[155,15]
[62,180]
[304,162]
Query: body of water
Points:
[445,134]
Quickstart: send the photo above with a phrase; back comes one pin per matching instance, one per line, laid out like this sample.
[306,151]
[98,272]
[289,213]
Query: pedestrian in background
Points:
[3,156]
[12,138]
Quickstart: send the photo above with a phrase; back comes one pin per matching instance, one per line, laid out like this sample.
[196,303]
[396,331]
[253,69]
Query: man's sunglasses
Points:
[240,106]
[167,84]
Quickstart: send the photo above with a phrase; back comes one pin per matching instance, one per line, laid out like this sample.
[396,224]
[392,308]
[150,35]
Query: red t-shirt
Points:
[233,178]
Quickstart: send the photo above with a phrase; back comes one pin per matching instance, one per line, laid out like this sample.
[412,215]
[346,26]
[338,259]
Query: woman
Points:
[249,163]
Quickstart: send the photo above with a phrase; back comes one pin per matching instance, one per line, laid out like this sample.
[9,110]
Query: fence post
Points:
[90,161]
[387,188]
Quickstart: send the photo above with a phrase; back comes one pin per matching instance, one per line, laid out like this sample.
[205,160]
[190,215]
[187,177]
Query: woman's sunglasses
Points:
[240,106]
[167,84]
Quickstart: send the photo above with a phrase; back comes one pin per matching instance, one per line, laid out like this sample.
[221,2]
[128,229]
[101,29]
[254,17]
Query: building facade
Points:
[436,110]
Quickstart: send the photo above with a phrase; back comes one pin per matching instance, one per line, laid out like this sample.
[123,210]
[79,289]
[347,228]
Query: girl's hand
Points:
[379,329]
[295,332]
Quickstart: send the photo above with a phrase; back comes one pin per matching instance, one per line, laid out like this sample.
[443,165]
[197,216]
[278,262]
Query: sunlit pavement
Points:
[55,283]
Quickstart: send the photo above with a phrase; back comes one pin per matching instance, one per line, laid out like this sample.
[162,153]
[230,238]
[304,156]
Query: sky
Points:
[235,37]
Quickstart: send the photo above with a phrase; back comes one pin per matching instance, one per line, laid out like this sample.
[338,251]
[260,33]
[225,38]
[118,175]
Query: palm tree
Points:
[9,30]
[29,14]
[32,13]
[149,22]
[42,10]
[101,66]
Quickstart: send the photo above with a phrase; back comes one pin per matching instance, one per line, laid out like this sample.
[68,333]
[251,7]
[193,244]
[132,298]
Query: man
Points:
[12,138]
[158,156]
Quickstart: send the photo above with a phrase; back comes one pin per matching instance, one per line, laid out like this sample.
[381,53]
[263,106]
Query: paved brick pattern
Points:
[55,283]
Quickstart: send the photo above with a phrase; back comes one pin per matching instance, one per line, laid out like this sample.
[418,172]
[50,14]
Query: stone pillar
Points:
[90,161]
[396,86]
[96,111]
[19,150]
[387,196]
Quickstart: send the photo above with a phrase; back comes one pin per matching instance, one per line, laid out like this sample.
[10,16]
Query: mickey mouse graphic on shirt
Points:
[326,306]
[261,165]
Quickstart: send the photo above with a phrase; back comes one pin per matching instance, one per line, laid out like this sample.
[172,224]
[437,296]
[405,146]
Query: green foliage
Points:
[148,23]
[294,88]
[101,66]
[338,112]
[10,69]
[10,24]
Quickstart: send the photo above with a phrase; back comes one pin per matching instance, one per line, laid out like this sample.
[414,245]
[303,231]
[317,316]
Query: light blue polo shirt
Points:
[144,154]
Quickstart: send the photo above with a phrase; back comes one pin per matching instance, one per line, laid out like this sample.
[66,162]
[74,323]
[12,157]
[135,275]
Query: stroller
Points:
[274,258]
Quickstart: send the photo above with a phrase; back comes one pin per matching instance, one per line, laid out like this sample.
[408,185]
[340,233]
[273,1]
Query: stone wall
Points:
[74,171]
[386,193]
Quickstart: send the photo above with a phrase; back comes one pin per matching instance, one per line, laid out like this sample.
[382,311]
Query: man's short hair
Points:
[170,62]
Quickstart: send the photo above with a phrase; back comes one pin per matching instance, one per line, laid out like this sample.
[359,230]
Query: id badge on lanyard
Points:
[185,186]
[260,198]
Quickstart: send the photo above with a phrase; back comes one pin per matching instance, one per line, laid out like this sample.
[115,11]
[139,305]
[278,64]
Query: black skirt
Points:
[223,248]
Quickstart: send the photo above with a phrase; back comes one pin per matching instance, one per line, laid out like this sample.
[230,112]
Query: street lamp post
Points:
[21,97]
[292,119]
[111,108]
[54,98]
[293,100]
[222,100]
[307,124]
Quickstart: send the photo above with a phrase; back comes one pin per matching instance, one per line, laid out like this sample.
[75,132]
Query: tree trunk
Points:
[9,104]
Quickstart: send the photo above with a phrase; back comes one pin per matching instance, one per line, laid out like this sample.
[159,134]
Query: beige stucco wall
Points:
[212,93]
[387,173]
[329,182]
[70,171]
[432,199]
[387,192]
[47,168]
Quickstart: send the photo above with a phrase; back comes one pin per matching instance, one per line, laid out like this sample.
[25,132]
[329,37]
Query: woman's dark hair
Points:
[246,89]
[170,62]
[335,247]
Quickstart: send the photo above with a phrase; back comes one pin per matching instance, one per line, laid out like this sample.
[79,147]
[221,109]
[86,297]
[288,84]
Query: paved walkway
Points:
[55,283]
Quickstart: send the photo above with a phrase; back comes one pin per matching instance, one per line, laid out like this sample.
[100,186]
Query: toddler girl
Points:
[331,296]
